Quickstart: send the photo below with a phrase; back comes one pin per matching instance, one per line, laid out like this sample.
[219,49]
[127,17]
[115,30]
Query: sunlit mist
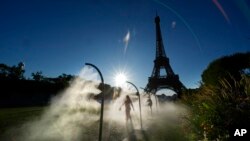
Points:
[73,115]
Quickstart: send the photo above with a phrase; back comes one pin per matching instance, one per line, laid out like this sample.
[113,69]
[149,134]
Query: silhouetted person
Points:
[149,103]
[127,103]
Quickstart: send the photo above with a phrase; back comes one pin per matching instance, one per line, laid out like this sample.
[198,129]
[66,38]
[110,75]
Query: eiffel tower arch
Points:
[169,79]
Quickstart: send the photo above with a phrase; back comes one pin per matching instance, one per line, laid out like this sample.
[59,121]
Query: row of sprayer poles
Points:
[102,100]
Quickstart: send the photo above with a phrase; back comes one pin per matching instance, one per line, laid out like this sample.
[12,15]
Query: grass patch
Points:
[15,117]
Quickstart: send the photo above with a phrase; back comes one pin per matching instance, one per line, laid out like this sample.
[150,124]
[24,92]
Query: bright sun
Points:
[120,79]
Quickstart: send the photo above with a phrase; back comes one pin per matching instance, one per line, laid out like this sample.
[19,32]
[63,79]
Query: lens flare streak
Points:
[218,5]
[183,20]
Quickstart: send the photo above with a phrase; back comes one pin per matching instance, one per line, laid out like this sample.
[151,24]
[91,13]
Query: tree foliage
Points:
[28,92]
[64,79]
[216,111]
[14,72]
[222,103]
[227,67]
[37,76]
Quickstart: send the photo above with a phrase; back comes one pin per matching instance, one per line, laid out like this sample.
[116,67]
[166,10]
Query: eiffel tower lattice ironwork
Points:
[169,80]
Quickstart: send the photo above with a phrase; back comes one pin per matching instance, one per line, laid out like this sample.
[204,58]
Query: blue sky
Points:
[60,36]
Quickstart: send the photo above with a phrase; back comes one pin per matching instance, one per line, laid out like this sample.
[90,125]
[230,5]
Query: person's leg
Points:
[127,115]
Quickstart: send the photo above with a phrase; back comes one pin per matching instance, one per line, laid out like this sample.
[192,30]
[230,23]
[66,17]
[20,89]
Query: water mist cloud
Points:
[73,116]
[164,123]
[69,116]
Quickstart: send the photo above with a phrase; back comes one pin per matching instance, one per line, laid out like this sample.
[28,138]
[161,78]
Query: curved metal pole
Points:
[156,102]
[138,94]
[102,100]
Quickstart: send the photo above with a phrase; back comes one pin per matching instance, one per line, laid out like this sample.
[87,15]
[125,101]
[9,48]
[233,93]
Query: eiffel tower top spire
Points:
[160,52]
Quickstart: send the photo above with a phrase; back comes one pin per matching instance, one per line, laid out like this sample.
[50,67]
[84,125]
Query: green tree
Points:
[226,68]
[14,72]
[17,72]
[37,76]
[4,71]
[222,102]
[64,79]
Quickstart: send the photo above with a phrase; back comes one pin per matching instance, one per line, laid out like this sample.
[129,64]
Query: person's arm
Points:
[121,105]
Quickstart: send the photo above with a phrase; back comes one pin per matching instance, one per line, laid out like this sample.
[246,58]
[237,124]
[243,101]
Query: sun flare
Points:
[120,79]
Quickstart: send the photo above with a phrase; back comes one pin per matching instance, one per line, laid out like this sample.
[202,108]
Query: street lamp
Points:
[102,100]
[138,94]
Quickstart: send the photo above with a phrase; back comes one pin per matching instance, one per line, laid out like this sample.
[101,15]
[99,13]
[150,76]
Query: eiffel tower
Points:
[169,79]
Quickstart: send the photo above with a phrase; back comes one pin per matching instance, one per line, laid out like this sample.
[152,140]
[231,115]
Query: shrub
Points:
[216,110]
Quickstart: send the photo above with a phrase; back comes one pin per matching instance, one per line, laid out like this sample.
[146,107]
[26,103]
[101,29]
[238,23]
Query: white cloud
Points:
[173,24]
[126,41]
